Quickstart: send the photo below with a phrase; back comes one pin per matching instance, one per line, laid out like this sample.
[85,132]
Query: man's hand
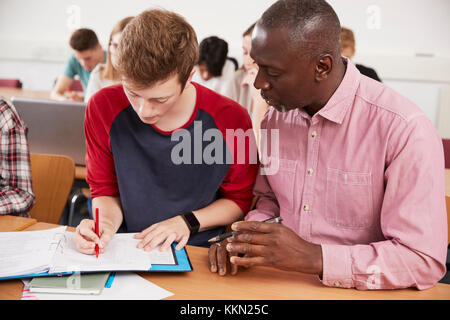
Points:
[272,244]
[219,259]
[164,233]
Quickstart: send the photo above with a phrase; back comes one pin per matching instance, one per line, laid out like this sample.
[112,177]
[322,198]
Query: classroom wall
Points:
[406,41]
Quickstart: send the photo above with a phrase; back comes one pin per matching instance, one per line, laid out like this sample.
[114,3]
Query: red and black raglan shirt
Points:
[141,164]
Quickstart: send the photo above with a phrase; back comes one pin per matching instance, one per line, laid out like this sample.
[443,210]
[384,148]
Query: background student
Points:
[16,190]
[136,177]
[214,69]
[105,74]
[87,53]
[241,88]
[348,50]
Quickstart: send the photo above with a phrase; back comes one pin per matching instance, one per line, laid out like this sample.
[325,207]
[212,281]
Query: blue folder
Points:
[182,264]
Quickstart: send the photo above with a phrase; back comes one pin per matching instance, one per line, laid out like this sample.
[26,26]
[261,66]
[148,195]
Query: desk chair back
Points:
[446,143]
[447,200]
[11,83]
[53,177]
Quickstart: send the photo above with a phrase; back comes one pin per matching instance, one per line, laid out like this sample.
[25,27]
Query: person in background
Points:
[87,54]
[241,89]
[348,50]
[105,74]
[214,69]
[16,190]
[357,175]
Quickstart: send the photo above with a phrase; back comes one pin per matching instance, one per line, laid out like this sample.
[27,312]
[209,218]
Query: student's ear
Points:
[188,82]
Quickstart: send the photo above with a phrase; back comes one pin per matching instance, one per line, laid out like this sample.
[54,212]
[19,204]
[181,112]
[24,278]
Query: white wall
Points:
[406,41]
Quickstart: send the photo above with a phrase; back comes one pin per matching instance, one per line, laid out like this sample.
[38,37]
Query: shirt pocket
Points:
[282,182]
[349,201]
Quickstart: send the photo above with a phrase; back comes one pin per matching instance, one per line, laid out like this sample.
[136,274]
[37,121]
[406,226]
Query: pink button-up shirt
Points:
[364,177]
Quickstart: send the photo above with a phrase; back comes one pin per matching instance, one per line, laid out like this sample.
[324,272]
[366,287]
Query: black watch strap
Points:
[191,222]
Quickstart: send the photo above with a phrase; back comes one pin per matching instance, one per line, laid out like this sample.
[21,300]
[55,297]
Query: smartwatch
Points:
[191,222]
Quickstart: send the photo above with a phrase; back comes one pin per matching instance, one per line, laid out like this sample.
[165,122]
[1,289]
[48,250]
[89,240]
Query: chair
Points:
[76,85]
[447,200]
[53,177]
[446,144]
[11,83]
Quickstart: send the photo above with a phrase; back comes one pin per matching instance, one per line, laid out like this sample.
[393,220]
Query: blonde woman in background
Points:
[105,74]
[241,88]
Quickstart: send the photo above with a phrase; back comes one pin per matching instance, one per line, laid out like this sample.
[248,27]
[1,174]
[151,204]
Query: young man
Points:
[360,183]
[87,54]
[16,193]
[141,179]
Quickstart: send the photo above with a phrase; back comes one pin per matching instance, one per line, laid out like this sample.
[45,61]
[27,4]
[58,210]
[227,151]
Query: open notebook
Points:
[53,251]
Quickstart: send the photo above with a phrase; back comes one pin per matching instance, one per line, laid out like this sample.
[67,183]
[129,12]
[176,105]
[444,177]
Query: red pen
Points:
[96,231]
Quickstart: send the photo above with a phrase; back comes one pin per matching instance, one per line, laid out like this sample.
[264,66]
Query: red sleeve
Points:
[236,126]
[100,113]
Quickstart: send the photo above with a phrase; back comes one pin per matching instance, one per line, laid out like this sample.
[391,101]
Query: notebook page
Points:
[121,254]
[28,251]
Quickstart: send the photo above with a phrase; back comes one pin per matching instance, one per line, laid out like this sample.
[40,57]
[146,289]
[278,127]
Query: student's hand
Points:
[272,244]
[164,233]
[86,239]
[75,97]
[219,259]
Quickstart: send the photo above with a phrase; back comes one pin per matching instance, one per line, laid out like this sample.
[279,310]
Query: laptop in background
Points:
[54,127]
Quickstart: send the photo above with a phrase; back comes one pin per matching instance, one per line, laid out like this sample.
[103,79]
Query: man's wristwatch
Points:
[191,222]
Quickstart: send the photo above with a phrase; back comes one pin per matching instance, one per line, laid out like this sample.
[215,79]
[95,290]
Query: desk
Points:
[10,223]
[257,283]
[8,93]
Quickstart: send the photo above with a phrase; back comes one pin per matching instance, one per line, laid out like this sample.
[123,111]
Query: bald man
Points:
[360,181]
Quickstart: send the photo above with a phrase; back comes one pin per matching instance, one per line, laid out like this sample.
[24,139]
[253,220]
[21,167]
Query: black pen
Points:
[223,236]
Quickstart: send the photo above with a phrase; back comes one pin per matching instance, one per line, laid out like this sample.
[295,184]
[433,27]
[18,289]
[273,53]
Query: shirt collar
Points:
[342,99]
[339,103]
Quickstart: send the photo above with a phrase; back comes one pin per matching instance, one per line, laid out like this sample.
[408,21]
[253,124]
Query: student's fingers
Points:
[156,241]
[84,246]
[182,243]
[145,232]
[170,239]
[87,230]
[149,237]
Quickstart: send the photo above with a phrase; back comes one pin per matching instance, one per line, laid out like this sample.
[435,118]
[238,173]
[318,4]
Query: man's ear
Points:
[324,65]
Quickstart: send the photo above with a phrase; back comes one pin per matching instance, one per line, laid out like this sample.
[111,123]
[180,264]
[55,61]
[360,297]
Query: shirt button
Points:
[306,207]
[337,284]
[310,171]
[314,134]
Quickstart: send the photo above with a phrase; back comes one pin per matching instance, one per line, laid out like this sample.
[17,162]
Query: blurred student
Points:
[214,68]
[141,179]
[241,88]
[16,193]
[105,74]
[348,50]
[87,54]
